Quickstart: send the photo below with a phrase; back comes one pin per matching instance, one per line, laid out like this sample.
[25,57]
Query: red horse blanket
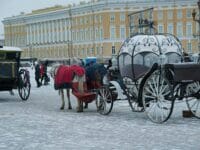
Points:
[65,74]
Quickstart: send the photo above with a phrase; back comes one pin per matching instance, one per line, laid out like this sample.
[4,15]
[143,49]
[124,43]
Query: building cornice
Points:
[87,8]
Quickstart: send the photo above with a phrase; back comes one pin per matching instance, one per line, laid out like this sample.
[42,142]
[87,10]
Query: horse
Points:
[94,75]
[66,75]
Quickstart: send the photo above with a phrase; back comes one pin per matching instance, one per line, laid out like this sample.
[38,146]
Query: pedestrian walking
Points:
[37,74]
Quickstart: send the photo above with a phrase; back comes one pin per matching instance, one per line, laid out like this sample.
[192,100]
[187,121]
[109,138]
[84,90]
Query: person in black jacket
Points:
[44,75]
[37,74]
[109,64]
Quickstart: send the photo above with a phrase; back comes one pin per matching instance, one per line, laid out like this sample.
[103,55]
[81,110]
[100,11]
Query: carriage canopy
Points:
[9,62]
[139,52]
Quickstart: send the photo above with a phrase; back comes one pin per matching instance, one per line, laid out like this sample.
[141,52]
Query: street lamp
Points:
[194,13]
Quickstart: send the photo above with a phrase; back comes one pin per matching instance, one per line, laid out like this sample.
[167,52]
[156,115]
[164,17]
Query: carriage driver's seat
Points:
[80,91]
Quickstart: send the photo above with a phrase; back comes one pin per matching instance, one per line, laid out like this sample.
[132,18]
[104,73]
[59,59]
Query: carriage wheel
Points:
[157,97]
[24,85]
[193,103]
[104,101]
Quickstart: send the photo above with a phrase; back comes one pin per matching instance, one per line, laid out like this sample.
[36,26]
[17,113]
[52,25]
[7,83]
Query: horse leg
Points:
[62,98]
[68,96]
[86,105]
[80,106]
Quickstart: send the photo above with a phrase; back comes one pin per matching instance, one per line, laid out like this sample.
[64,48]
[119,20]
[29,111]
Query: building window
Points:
[132,21]
[100,18]
[101,52]
[179,29]
[122,32]
[88,52]
[113,49]
[189,47]
[83,52]
[112,17]
[122,16]
[160,28]
[91,34]
[179,14]
[189,29]
[188,13]
[91,51]
[197,27]
[170,14]
[160,15]
[96,18]
[96,33]
[112,33]
[101,33]
[170,28]
[97,52]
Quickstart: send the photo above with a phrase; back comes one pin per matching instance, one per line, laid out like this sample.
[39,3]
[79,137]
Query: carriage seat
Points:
[80,91]
[185,71]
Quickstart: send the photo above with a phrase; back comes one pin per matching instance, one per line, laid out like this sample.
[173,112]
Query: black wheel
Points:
[24,85]
[104,101]
[157,97]
[132,95]
[193,103]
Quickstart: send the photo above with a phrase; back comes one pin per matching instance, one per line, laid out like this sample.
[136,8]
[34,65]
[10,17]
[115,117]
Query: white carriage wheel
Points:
[157,97]
[193,103]
[104,101]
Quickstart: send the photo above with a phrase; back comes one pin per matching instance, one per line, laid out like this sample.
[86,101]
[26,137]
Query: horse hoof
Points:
[86,106]
[61,108]
[79,111]
[69,107]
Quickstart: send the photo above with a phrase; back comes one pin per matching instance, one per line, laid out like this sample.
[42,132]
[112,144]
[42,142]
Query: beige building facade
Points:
[96,28]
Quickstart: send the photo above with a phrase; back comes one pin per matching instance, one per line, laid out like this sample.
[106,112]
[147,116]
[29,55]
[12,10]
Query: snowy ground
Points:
[39,124]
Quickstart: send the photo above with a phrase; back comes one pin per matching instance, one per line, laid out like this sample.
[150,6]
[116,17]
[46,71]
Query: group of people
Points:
[41,73]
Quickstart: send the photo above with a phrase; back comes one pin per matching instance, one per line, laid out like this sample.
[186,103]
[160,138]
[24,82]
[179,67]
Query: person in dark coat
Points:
[109,64]
[37,74]
[44,75]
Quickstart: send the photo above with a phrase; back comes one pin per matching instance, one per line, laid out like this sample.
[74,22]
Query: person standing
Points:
[41,72]
[37,74]
[109,64]
[44,73]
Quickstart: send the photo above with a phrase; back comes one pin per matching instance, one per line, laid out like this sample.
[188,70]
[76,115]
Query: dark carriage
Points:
[153,74]
[11,76]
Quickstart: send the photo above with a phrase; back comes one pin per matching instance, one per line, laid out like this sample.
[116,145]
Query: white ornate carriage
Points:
[153,75]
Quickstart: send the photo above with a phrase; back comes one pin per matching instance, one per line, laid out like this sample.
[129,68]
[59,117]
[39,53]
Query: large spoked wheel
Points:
[157,97]
[104,101]
[193,103]
[24,85]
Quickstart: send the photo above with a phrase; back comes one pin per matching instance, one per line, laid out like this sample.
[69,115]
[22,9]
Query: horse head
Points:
[54,69]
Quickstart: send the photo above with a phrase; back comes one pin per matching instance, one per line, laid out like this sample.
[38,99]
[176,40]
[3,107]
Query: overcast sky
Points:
[9,8]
